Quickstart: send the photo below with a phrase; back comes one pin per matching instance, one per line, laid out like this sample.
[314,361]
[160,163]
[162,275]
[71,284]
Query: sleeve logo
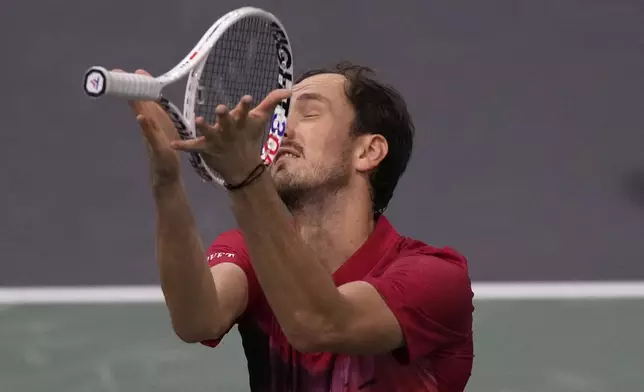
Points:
[219,255]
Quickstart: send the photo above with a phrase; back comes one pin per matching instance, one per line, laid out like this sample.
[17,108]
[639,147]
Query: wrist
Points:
[250,176]
[254,197]
[167,188]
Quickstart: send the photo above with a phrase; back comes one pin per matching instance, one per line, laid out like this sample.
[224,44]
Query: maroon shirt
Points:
[427,289]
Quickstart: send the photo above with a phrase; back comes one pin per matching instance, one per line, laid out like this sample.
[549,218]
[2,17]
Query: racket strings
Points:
[243,62]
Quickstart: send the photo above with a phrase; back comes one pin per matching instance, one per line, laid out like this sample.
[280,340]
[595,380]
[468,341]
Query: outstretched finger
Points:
[204,128]
[240,112]
[224,119]
[267,106]
[192,145]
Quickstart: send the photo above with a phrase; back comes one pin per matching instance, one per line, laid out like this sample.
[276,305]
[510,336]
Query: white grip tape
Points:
[99,81]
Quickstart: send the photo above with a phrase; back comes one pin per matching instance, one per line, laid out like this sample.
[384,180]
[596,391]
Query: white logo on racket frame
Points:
[284,80]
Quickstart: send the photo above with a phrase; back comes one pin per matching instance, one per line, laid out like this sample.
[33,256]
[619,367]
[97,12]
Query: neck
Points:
[335,226]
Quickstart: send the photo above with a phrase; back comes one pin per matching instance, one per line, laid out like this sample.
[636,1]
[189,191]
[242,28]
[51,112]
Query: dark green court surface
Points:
[521,346]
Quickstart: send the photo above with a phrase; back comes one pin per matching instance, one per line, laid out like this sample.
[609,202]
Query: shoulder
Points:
[233,239]
[428,289]
[228,245]
[428,276]
[418,256]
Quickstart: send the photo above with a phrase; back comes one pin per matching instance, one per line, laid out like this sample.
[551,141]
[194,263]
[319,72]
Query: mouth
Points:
[286,152]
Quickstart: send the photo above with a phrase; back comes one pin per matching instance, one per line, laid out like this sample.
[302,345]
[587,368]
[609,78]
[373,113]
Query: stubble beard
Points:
[313,185]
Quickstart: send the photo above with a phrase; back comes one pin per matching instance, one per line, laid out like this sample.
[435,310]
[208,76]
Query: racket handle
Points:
[99,81]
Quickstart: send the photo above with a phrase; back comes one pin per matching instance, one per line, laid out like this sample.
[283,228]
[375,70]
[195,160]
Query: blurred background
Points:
[528,160]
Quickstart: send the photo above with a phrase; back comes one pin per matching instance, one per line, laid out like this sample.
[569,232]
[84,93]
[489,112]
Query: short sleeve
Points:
[431,297]
[230,247]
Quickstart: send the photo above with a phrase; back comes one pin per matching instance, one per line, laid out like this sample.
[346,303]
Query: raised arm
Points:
[202,302]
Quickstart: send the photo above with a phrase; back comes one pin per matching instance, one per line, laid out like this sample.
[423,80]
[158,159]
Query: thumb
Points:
[267,106]
[193,145]
[151,133]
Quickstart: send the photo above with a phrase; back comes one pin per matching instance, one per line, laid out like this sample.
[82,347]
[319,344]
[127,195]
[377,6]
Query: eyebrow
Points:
[313,97]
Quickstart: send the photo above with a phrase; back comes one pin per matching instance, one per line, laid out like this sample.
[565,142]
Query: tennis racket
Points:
[245,52]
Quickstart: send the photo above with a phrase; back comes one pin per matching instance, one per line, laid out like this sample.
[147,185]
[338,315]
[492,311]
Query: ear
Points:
[370,150]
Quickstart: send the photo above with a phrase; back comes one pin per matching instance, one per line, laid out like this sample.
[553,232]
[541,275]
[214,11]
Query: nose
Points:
[289,133]
[290,127]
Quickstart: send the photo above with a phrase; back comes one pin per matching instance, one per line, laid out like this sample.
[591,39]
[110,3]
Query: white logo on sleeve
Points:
[219,255]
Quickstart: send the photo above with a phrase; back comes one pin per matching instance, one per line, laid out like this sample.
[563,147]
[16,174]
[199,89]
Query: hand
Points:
[233,145]
[158,132]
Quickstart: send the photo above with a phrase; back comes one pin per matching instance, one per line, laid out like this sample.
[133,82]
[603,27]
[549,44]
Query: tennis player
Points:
[326,294]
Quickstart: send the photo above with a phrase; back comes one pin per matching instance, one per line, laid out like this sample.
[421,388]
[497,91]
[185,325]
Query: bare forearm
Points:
[186,281]
[298,288]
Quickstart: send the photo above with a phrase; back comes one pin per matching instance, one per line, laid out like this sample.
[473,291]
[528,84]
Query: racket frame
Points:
[150,88]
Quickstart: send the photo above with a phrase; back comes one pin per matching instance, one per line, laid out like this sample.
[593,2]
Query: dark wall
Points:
[529,115]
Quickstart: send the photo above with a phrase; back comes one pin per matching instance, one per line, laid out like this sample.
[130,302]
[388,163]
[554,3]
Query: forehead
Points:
[329,85]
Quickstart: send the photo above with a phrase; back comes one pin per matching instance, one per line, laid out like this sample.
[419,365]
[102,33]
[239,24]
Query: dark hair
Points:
[381,110]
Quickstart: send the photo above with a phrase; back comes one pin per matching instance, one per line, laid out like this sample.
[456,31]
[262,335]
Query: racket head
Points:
[248,53]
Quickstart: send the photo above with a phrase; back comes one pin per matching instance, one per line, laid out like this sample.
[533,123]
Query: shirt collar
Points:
[381,239]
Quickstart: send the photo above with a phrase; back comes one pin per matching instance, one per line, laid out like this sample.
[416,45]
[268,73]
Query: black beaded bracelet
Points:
[257,171]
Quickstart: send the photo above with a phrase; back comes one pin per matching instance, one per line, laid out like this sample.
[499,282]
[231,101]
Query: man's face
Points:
[316,154]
